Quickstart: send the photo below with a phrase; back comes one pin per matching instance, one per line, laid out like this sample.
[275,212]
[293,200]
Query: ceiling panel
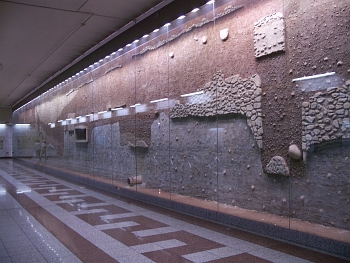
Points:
[21,91]
[72,5]
[96,28]
[128,10]
[28,36]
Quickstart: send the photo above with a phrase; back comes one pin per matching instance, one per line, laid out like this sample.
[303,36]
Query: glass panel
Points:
[320,185]
[5,140]
[122,72]
[193,123]
[102,129]
[247,108]
[152,129]
[83,128]
[49,117]
[59,130]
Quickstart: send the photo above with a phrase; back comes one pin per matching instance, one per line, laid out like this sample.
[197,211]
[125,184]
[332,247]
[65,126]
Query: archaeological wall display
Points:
[241,105]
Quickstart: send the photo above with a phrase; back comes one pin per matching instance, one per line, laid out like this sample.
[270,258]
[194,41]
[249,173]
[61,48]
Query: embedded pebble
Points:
[294,152]
[277,166]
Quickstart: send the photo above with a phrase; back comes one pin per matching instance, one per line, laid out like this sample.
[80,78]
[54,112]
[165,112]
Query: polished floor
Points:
[46,219]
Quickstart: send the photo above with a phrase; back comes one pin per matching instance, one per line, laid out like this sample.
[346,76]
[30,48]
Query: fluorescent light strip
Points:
[211,2]
[120,49]
[128,45]
[133,106]
[195,10]
[167,24]
[69,119]
[145,36]
[155,30]
[59,120]
[101,112]
[315,76]
[117,109]
[88,115]
[135,41]
[22,124]
[181,17]
[154,101]
[192,94]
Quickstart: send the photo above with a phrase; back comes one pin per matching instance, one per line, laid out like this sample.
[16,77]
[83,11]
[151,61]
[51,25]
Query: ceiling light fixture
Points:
[118,108]
[181,17]
[192,94]
[315,76]
[195,10]
[154,101]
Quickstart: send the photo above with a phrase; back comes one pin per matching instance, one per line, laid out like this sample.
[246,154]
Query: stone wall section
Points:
[325,116]
[234,95]
[269,35]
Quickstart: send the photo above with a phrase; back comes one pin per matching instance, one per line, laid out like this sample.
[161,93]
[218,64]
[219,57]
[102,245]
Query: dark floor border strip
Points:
[61,231]
[326,245]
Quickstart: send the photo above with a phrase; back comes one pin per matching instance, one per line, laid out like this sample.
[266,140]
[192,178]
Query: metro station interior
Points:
[154,131]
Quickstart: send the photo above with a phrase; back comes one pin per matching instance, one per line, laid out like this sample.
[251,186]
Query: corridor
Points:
[46,219]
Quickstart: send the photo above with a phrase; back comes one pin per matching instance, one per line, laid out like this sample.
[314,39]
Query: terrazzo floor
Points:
[47,219]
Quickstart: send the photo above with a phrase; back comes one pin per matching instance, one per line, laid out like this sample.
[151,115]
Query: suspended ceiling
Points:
[39,38]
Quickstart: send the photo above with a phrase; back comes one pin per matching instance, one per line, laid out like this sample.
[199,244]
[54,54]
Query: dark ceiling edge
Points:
[164,15]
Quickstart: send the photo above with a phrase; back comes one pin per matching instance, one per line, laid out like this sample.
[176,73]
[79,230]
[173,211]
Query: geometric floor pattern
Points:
[47,219]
